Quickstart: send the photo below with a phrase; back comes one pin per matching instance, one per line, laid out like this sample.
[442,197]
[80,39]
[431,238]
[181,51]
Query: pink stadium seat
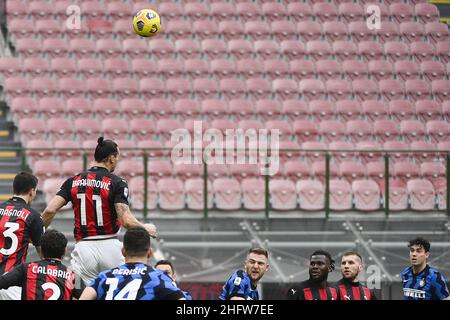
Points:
[86,128]
[359,130]
[93,9]
[318,170]
[350,11]
[159,108]
[355,69]
[312,88]
[274,11]
[328,69]
[16,9]
[223,68]
[165,126]
[152,148]
[240,49]
[340,195]
[109,48]
[301,69]
[401,12]
[221,11]
[82,48]
[116,67]
[187,171]
[417,89]
[170,10]
[115,128]
[366,194]
[386,129]
[66,150]
[46,169]
[118,10]
[351,170]
[162,48]
[285,88]
[412,130]
[39,149]
[257,30]
[406,170]
[296,170]
[188,48]
[28,47]
[369,150]
[231,29]
[268,109]
[392,89]
[123,29]
[359,32]
[370,50]
[345,50]
[171,194]
[43,87]
[16,86]
[292,49]
[98,87]
[47,28]
[253,194]
[218,171]
[443,51]
[55,47]
[294,109]
[232,88]
[398,195]
[426,154]
[436,31]
[433,171]
[305,130]
[318,49]
[284,30]
[133,108]
[432,70]
[283,194]
[374,109]
[381,69]
[186,108]
[396,147]
[406,70]
[90,67]
[339,89]
[178,88]
[335,30]
[248,11]
[227,194]
[401,110]
[196,68]
[388,32]
[421,194]
[240,109]
[51,107]
[266,49]
[151,88]
[136,185]
[105,108]
[205,88]
[195,193]
[341,150]
[50,187]
[134,47]
[141,129]
[159,168]
[365,89]
[23,107]
[299,11]
[376,171]
[440,89]
[423,51]
[312,150]
[441,193]
[196,11]
[244,171]
[322,109]
[71,167]
[213,108]
[348,109]
[20,28]
[438,130]
[446,109]
[426,12]
[285,129]
[248,68]
[129,168]
[325,11]
[214,48]
[250,125]
[309,30]
[428,110]
[178,29]
[310,195]
[412,31]
[259,88]
[63,67]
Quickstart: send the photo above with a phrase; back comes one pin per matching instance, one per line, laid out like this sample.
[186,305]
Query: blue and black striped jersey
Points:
[429,284]
[135,281]
[239,285]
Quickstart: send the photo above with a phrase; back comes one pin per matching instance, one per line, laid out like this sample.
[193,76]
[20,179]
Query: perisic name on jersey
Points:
[51,272]
[127,272]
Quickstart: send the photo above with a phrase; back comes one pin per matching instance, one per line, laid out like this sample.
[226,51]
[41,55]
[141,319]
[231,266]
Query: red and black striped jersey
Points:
[93,194]
[19,225]
[310,290]
[354,291]
[41,280]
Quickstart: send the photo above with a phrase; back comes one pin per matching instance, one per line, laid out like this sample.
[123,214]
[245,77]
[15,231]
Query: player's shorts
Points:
[91,257]
[12,293]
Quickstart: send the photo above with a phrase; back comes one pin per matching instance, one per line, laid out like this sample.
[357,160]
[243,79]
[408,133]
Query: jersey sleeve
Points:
[13,278]
[121,192]
[167,289]
[96,284]
[440,287]
[239,285]
[36,229]
[64,191]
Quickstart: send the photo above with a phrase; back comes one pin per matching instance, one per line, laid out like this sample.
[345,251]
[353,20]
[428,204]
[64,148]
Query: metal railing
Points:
[328,154]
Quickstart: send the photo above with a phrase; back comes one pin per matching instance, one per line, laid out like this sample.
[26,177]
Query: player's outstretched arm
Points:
[52,208]
[88,294]
[128,220]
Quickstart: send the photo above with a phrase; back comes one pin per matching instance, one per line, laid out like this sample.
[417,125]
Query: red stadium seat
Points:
[426,12]
[355,69]
[350,11]
[406,170]
[294,109]
[406,70]
[322,109]
[301,69]
[359,130]
[305,130]
[335,30]
[381,69]
[348,109]
[436,31]
[412,130]
[331,130]
[374,109]
[423,51]
[345,50]
[396,147]
[328,69]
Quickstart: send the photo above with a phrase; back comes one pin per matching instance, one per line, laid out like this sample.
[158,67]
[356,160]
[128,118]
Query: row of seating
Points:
[145,129]
[221,68]
[237,109]
[348,11]
[228,88]
[230,194]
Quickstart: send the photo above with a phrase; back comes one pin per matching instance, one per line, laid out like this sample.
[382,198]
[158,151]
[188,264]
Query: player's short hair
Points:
[421,242]
[24,182]
[326,254]
[260,251]
[136,242]
[353,253]
[104,149]
[165,262]
[53,244]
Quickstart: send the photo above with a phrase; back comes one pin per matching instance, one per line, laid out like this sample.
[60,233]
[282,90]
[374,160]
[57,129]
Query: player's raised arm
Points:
[128,220]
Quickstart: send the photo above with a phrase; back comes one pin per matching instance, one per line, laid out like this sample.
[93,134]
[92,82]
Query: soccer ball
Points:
[146,23]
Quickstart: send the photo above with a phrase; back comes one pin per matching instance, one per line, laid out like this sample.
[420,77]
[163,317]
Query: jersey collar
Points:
[17,199]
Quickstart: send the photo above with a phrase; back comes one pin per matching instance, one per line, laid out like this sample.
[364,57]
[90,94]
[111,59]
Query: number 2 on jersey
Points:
[9,233]
[98,206]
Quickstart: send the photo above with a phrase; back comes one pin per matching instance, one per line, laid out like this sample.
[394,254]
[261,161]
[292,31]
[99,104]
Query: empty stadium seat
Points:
[421,194]
[171,194]
[366,195]
[227,194]
[340,195]
[283,194]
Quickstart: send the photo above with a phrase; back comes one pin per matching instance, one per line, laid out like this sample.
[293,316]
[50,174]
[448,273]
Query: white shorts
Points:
[91,257]
[12,293]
